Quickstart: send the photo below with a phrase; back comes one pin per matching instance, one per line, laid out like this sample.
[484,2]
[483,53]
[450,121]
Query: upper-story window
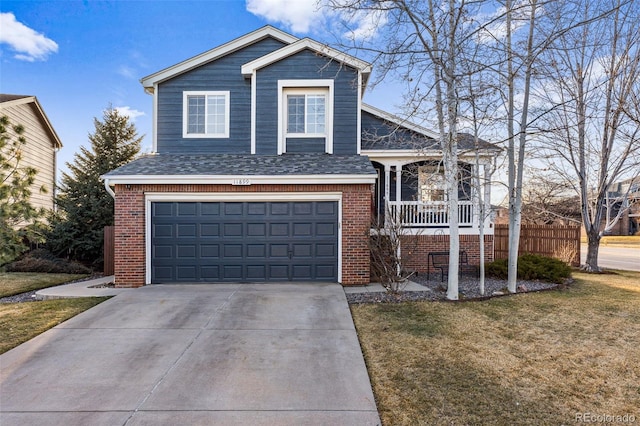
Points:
[305,115]
[206,114]
[307,112]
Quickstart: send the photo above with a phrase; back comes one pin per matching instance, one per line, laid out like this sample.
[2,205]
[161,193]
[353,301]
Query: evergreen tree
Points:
[85,207]
[16,212]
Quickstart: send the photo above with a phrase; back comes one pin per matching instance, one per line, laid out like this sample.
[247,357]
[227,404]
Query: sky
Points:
[80,57]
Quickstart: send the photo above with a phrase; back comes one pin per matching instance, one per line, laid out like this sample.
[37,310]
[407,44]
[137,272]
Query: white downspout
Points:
[108,188]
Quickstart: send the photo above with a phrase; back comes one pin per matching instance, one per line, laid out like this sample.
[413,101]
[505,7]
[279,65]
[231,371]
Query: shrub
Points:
[532,267]
[41,260]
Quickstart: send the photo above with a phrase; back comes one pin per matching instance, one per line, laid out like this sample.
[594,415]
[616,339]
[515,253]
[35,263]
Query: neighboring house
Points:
[626,196]
[267,166]
[42,144]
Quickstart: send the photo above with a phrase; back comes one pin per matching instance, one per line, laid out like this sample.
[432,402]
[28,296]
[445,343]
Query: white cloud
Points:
[298,15]
[28,44]
[315,16]
[128,112]
[365,24]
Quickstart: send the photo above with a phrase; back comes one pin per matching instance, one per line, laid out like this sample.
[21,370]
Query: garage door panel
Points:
[232,229]
[256,272]
[211,273]
[256,250]
[209,251]
[327,229]
[163,231]
[279,272]
[210,209]
[302,229]
[186,273]
[244,241]
[257,229]
[233,209]
[279,230]
[326,208]
[210,230]
[232,272]
[186,230]
[302,209]
[186,252]
[187,209]
[326,250]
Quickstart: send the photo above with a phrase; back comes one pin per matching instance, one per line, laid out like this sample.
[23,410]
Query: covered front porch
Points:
[412,192]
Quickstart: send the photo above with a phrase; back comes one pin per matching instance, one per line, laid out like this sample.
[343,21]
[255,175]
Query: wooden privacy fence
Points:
[109,249]
[559,241]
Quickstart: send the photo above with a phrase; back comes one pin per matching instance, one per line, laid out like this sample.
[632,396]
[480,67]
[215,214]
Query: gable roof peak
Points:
[217,52]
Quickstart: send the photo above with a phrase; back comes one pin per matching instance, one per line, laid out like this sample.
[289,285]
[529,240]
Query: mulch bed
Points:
[434,289]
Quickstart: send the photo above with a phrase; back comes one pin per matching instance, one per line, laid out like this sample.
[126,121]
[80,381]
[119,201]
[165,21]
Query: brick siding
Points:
[419,247]
[130,248]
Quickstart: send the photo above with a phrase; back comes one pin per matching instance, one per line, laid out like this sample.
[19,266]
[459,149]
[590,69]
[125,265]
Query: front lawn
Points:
[20,282]
[20,322]
[625,241]
[542,358]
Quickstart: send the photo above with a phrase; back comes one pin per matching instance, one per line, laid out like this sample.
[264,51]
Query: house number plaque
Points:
[241,182]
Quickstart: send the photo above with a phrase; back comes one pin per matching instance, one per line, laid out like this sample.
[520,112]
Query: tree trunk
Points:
[591,264]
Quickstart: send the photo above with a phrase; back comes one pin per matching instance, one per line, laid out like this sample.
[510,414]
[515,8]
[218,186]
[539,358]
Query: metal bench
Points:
[440,260]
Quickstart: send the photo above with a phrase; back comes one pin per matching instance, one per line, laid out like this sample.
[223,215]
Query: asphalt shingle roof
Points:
[408,140]
[249,165]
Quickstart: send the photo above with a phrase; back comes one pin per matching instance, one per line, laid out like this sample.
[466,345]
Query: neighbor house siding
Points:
[39,152]
[221,75]
[307,65]
[130,225]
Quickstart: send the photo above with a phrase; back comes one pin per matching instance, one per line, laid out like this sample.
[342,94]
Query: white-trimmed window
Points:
[306,112]
[431,183]
[206,114]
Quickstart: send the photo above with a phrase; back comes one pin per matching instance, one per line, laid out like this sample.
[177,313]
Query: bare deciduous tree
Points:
[592,136]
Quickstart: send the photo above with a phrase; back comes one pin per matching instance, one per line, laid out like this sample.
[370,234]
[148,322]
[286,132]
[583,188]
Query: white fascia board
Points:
[380,155]
[251,179]
[305,43]
[213,54]
[399,121]
[396,153]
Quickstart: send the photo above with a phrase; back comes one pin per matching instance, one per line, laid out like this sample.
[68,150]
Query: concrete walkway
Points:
[88,288]
[231,354]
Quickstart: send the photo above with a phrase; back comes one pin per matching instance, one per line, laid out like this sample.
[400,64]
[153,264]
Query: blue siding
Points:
[380,134]
[307,65]
[222,74]
[298,145]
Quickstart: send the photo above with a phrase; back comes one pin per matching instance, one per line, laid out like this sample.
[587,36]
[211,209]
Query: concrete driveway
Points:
[227,354]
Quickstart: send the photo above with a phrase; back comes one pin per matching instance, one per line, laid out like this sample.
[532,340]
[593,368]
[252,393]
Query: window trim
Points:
[286,87]
[185,114]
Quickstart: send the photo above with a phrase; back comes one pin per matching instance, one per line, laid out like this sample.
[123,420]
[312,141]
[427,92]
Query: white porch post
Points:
[387,179]
[487,194]
[398,182]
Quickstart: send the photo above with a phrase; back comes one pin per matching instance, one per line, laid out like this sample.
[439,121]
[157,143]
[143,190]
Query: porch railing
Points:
[434,213]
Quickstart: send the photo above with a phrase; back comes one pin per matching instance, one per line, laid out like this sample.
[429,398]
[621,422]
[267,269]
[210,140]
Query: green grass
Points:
[20,322]
[535,358]
[12,283]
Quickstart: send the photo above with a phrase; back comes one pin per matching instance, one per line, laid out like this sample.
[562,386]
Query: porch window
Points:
[431,183]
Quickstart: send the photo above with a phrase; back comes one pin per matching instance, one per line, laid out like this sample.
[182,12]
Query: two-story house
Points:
[265,168]
[41,148]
